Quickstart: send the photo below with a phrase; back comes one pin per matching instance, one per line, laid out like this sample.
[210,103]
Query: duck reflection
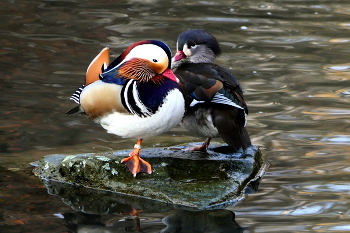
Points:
[208,221]
[80,222]
[101,211]
[183,221]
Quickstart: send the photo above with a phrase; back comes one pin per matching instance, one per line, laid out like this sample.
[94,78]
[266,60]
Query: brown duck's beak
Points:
[178,56]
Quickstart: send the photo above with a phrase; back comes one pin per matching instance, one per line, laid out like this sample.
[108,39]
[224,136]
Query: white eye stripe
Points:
[149,52]
[187,51]
[190,46]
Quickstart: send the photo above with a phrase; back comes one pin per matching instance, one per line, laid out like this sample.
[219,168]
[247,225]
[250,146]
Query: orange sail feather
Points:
[95,67]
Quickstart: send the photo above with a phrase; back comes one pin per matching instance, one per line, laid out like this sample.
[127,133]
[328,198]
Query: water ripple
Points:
[48,37]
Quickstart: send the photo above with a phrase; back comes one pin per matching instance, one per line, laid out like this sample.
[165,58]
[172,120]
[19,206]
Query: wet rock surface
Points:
[180,178]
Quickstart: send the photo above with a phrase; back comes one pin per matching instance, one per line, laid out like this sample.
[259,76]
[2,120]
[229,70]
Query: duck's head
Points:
[196,46]
[143,61]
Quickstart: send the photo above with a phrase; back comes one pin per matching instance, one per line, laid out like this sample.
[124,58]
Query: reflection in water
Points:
[208,221]
[91,205]
[83,222]
[181,221]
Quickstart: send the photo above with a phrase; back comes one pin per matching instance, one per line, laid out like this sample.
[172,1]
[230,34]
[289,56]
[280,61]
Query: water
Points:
[291,58]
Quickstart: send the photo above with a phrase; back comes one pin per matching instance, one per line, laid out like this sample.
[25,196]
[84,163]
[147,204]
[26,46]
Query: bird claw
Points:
[202,148]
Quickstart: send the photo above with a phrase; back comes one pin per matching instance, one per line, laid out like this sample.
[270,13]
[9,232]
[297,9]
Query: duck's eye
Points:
[154,60]
[192,45]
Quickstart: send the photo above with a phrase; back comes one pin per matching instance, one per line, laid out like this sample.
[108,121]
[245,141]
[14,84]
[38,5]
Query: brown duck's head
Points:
[197,46]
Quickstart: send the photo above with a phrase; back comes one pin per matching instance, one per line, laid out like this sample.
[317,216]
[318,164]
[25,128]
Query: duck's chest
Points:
[145,99]
[199,120]
[167,116]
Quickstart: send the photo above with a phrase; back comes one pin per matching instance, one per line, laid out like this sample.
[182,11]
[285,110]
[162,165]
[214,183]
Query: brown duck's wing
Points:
[194,78]
[231,131]
[203,81]
[232,85]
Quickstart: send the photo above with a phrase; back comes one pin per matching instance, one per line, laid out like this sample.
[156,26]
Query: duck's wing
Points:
[97,66]
[232,85]
[230,125]
[210,82]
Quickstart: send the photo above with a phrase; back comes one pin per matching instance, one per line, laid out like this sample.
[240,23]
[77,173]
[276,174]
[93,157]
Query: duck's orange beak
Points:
[170,75]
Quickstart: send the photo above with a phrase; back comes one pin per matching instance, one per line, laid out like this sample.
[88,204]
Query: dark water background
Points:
[291,57]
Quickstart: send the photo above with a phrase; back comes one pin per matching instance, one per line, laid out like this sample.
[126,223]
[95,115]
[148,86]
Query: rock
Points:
[192,179]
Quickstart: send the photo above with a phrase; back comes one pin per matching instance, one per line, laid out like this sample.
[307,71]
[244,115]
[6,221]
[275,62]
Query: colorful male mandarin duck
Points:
[215,106]
[136,96]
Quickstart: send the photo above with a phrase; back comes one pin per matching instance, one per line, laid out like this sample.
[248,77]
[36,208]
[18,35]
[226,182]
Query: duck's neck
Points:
[204,55]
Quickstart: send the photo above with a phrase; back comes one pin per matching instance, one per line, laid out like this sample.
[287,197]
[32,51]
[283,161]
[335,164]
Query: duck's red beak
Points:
[170,75]
[178,56]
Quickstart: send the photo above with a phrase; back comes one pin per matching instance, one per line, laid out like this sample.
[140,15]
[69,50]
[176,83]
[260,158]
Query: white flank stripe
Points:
[194,102]
[126,97]
[138,102]
[221,99]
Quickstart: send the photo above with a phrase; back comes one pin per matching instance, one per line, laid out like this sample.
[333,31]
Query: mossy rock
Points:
[193,179]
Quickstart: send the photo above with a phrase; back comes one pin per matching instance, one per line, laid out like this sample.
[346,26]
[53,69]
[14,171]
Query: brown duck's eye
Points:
[154,60]
[192,45]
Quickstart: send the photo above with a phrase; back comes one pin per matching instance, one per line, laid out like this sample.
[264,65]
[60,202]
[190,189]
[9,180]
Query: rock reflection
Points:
[97,211]
[208,221]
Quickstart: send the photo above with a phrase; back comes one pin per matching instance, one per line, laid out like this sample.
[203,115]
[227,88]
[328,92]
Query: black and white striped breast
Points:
[144,99]
[131,100]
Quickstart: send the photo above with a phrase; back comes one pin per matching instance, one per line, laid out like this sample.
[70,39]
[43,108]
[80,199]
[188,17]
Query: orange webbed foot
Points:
[135,163]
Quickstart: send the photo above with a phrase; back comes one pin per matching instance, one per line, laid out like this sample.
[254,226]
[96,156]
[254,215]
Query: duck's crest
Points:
[119,59]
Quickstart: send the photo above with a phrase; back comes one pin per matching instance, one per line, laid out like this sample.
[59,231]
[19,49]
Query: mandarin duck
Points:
[215,105]
[136,96]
